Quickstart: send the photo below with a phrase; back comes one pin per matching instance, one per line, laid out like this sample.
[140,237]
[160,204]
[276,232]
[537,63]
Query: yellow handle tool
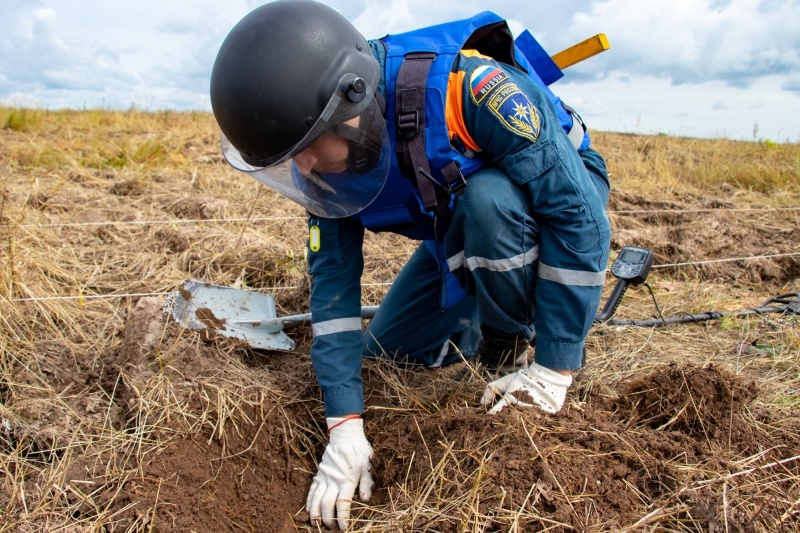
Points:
[583,50]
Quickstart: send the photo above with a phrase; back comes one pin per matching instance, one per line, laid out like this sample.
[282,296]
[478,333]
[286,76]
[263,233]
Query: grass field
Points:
[114,418]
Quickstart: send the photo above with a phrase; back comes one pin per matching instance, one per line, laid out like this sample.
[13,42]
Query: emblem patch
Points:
[483,80]
[515,111]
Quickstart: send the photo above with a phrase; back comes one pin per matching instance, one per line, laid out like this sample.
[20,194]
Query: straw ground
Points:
[113,418]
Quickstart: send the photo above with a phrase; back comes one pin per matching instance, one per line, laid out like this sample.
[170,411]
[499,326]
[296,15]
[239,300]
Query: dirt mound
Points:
[599,465]
[253,483]
[700,402]
[231,456]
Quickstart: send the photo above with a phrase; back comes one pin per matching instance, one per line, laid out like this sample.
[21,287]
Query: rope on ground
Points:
[275,219]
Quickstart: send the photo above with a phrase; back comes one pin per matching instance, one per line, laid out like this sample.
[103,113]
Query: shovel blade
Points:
[235,313]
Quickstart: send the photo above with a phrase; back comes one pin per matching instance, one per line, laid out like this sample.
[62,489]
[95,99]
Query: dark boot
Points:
[502,351]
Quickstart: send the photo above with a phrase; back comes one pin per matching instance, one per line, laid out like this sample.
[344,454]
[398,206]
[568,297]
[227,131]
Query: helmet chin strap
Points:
[364,142]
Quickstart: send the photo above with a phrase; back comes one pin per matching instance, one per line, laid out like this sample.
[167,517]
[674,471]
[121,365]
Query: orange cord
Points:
[350,417]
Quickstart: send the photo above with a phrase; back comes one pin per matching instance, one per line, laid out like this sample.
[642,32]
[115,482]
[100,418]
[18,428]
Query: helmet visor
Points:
[337,169]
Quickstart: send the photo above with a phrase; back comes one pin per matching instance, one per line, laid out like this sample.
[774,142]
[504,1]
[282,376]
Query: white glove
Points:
[546,388]
[344,465]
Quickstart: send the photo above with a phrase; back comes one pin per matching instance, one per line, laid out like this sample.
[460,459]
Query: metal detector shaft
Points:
[700,317]
[614,299]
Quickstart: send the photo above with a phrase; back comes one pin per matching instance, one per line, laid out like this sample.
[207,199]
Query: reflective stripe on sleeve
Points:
[338,325]
[496,265]
[578,278]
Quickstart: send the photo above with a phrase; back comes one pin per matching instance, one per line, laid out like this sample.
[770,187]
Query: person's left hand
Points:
[532,386]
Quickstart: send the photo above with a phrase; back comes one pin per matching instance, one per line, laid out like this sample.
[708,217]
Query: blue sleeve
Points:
[335,270]
[516,127]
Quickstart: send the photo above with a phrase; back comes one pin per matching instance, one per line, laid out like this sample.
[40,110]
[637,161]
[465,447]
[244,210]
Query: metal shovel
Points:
[237,313]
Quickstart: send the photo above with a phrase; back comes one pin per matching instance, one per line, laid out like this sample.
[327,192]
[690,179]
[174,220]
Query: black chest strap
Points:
[411,154]
[410,102]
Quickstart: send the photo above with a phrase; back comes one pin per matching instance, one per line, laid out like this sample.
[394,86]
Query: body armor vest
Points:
[400,207]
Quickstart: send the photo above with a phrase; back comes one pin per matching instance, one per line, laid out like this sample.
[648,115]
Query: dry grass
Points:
[102,213]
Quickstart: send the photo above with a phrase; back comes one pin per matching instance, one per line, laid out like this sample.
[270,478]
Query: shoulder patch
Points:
[515,111]
[483,79]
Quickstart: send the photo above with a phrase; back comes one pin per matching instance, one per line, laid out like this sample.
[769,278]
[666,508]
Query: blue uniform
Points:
[526,248]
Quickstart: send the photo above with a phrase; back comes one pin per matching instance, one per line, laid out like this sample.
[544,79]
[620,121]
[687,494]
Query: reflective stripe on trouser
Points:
[492,248]
[411,325]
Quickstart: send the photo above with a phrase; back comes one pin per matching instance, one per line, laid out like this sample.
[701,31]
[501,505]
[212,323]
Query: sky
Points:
[695,68]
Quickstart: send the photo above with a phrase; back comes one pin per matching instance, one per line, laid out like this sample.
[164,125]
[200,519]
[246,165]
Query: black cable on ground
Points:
[788,304]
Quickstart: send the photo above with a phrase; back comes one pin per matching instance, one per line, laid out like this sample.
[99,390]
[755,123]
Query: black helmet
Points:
[276,71]
[288,72]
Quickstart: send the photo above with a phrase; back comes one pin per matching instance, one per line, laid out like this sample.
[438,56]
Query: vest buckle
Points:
[408,124]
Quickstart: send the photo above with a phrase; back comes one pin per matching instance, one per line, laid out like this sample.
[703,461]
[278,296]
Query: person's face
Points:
[328,154]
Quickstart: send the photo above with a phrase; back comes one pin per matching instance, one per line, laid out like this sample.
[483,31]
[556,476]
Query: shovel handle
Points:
[293,321]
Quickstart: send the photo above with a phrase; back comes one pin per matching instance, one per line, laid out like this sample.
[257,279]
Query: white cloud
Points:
[693,41]
[653,105]
[792,84]
[386,15]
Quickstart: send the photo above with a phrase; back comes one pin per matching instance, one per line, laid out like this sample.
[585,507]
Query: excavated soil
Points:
[601,464]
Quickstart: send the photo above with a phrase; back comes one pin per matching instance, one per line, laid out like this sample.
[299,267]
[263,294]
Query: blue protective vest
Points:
[399,207]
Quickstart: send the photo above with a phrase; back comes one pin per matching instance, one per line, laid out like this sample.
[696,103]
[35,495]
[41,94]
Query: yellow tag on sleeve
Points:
[313,239]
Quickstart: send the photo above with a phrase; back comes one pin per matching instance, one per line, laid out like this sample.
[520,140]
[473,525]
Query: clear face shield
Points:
[340,166]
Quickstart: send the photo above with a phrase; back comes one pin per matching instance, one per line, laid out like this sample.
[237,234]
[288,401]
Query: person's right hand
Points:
[345,465]
[535,385]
